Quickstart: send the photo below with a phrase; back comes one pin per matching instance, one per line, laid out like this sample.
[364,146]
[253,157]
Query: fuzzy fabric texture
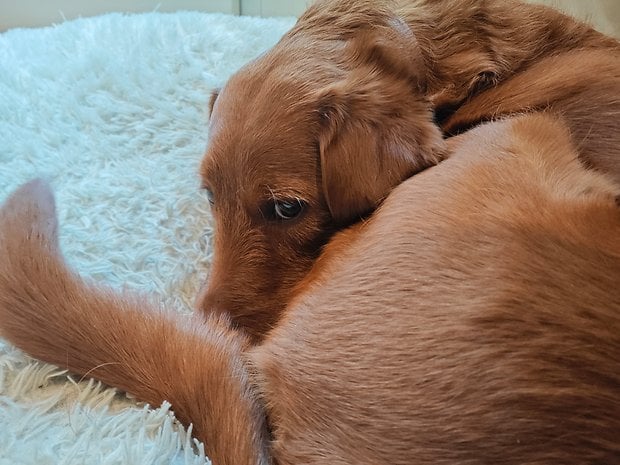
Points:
[113,111]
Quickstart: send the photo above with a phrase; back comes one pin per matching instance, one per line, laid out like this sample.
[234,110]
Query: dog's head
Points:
[303,141]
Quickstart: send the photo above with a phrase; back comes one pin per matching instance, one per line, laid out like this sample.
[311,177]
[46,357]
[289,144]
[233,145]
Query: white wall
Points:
[34,13]
[273,7]
[605,14]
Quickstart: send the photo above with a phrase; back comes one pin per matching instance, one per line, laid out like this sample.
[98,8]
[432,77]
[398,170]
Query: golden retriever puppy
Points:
[311,136]
[474,318]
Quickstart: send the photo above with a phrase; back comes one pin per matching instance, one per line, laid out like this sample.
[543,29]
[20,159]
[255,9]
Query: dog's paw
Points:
[28,216]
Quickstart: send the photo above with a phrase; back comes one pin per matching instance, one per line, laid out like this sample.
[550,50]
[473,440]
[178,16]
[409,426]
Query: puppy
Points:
[473,319]
[311,136]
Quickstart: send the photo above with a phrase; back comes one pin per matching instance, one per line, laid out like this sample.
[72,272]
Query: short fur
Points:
[345,107]
[473,319]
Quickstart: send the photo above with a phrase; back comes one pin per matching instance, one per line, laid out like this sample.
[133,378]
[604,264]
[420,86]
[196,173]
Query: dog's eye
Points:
[287,209]
[210,197]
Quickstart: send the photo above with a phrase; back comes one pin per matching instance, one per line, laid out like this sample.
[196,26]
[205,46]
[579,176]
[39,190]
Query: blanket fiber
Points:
[113,111]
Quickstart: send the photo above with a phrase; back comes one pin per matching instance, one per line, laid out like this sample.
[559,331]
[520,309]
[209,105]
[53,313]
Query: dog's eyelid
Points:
[286,210]
[282,207]
[205,185]
[285,195]
[283,198]
[207,190]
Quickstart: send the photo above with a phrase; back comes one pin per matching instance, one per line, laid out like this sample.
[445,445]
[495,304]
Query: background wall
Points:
[274,7]
[34,13]
[605,14]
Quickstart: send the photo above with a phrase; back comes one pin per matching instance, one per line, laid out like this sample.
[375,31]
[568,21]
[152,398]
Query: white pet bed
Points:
[112,110]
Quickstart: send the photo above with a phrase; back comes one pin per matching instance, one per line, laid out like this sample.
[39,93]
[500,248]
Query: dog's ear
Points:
[375,131]
[376,126]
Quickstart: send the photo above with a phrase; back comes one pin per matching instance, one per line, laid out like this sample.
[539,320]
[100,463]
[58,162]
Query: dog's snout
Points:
[210,300]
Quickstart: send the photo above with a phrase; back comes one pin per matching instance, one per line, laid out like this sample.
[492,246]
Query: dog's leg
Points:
[579,86]
[126,341]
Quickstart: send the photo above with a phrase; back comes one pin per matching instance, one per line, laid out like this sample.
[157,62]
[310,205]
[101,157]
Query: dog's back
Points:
[475,319]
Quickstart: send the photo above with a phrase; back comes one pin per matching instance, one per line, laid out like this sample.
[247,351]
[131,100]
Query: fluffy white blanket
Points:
[112,110]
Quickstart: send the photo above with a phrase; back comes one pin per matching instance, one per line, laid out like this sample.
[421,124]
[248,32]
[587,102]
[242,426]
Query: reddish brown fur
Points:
[342,109]
[125,340]
[473,319]
[582,86]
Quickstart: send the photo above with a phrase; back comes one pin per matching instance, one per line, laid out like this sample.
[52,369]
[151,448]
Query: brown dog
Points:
[312,135]
[473,319]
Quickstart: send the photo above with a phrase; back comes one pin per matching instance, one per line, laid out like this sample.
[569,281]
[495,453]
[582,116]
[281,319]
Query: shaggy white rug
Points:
[112,110]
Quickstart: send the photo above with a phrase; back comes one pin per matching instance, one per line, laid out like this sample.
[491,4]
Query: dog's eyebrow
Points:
[202,178]
[206,173]
[285,193]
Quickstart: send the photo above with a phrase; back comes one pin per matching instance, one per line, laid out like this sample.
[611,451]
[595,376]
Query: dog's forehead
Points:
[250,137]
[246,163]
[240,142]
[262,134]
[274,89]
[246,170]
[268,116]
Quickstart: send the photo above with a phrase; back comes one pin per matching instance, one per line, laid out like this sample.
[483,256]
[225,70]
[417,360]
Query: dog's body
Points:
[474,318]
[582,86]
[345,107]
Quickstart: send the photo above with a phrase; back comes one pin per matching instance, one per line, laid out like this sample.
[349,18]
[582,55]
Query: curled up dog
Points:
[474,318]
[311,136]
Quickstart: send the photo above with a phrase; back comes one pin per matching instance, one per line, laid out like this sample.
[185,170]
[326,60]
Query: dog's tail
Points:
[124,340]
